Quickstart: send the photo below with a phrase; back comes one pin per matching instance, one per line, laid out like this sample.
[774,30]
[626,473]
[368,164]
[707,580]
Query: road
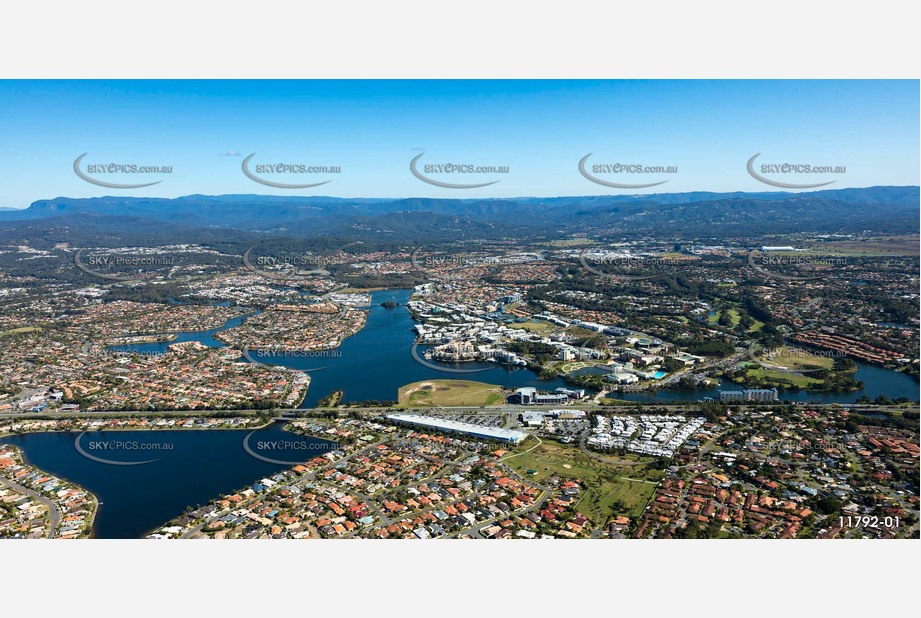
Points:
[290,413]
[538,504]
[539,442]
[307,477]
[53,510]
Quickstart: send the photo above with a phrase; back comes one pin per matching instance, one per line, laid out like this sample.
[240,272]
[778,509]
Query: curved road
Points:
[53,510]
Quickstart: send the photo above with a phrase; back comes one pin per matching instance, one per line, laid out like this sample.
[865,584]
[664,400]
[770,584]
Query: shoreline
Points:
[117,429]
[90,524]
[95,499]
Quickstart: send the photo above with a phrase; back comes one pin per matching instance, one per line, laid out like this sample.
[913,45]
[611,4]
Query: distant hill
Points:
[879,209]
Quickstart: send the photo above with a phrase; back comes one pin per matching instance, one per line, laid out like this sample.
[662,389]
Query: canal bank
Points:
[375,362]
[199,465]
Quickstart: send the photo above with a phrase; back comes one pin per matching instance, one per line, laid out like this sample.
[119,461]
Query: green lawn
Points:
[606,482]
[24,329]
[450,393]
[536,326]
[882,246]
[734,317]
[782,377]
[796,358]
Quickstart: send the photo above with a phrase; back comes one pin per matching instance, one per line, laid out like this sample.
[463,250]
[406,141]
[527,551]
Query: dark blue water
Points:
[205,337]
[201,465]
[375,362]
[876,381]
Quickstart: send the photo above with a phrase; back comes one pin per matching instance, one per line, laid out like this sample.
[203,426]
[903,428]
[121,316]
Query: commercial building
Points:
[572,393]
[749,394]
[476,431]
[622,377]
[532,418]
[687,359]
[530,396]
[536,418]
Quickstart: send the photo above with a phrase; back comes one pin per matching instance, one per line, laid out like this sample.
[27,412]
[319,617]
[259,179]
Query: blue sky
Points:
[372,129]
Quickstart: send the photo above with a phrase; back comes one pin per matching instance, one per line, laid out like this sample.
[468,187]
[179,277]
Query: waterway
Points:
[370,365]
[205,337]
[877,381]
[375,362]
[191,468]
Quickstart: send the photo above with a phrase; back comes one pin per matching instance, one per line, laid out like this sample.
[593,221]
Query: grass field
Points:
[570,366]
[782,377]
[536,326]
[24,329]
[450,393]
[571,242]
[734,317]
[612,480]
[796,359]
[883,246]
[542,328]
[577,331]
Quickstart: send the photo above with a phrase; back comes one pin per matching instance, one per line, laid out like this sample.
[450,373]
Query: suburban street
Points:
[53,511]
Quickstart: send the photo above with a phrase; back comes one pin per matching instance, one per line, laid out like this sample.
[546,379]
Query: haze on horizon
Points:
[540,129]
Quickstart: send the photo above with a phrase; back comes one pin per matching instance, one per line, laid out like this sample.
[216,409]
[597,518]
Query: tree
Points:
[828,505]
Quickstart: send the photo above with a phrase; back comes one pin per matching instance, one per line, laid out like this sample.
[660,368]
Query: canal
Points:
[189,468]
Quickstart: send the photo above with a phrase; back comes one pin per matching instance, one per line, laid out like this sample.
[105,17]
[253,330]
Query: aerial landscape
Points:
[640,353]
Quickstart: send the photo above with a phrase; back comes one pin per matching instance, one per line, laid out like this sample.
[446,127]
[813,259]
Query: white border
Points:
[459,39]
[474,38]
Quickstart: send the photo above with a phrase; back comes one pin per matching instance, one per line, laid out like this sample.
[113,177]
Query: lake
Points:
[192,468]
[375,362]
[877,381]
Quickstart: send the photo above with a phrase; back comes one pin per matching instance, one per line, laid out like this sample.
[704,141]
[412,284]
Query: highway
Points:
[288,413]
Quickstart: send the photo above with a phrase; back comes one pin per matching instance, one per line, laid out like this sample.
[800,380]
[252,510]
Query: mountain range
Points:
[698,214]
